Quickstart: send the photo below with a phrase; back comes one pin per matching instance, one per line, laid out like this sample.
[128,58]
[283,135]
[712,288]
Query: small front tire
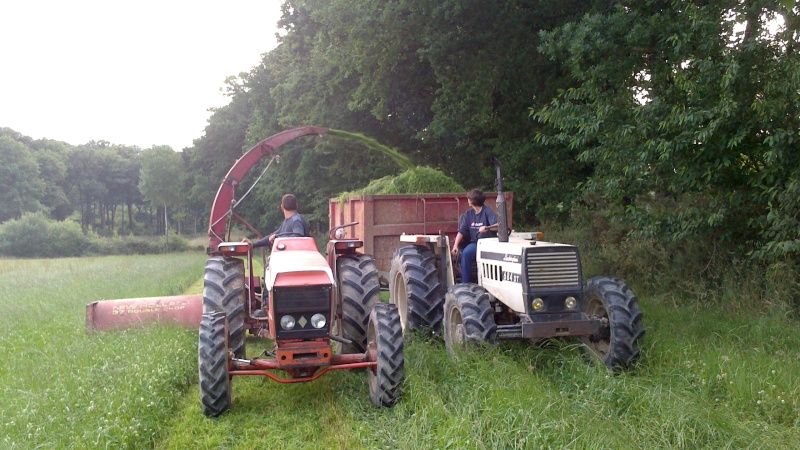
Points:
[212,361]
[468,318]
[617,346]
[385,342]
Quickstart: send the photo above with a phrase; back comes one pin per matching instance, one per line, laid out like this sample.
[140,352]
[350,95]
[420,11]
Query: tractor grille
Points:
[554,268]
[302,303]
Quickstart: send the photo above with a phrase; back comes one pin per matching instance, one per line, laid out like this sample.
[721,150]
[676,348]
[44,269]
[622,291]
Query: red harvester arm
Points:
[218,223]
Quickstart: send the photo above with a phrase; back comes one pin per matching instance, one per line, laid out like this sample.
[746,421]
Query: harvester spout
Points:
[218,226]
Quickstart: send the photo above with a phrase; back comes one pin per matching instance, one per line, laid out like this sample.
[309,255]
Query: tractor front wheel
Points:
[212,362]
[223,290]
[468,318]
[415,288]
[610,299]
[360,290]
[385,341]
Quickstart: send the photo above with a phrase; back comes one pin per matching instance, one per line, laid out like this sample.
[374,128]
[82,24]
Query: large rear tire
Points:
[212,362]
[223,290]
[617,346]
[385,335]
[415,288]
[468,318]
[360,291]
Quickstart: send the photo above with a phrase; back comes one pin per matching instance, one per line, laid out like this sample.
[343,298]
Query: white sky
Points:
[138,73]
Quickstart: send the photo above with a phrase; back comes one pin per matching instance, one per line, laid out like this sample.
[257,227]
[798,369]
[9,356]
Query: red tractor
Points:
[323,313]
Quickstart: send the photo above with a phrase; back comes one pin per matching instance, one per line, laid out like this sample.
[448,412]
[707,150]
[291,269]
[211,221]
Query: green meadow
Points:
[709,377]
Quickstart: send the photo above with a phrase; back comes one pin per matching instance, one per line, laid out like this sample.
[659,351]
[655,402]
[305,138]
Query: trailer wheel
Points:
[385,341]
[468,318]
[617,344]
[223,290]
[212,362]
[360,290]
[415,288]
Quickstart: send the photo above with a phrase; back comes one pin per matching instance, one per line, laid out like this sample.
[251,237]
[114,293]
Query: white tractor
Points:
[527,289]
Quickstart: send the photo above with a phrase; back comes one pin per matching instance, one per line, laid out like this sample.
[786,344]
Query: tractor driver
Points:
[477,223]
[293,223]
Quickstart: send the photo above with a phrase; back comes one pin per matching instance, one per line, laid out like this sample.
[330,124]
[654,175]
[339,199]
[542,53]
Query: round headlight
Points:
[318,321]
[570,303]
[537,304]
[287,322]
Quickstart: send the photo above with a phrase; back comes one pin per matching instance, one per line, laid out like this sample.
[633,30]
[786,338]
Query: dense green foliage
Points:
[688,113]
[678,120]
[36,236]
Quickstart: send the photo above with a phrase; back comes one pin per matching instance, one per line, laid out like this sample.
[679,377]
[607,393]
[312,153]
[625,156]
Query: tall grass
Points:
[709,377]
[63,388]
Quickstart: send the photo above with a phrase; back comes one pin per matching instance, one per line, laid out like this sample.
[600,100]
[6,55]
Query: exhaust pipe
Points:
[502,219]
[107,315]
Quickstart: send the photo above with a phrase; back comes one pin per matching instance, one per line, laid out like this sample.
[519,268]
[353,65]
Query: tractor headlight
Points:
[318,321]
[287,322]
[537,304]
[570,303]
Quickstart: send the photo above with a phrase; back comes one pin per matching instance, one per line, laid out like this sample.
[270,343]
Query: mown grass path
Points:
[63,388]
[708,378]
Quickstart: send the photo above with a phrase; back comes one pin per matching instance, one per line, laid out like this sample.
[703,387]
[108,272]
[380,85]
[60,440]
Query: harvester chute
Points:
[186,309]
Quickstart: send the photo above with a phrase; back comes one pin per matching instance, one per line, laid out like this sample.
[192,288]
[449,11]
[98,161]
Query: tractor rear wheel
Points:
[223,290]
[611,299]
[212,362]
[360,290]
[415,288]
[468,318]
[385,335]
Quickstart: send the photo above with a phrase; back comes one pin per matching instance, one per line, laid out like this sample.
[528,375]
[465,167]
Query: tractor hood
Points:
[296,262]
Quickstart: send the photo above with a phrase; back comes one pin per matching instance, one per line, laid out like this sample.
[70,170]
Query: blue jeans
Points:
[468,256]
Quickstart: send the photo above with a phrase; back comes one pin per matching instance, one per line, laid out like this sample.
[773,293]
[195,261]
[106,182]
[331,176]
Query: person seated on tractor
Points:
[477,223]
[293,224]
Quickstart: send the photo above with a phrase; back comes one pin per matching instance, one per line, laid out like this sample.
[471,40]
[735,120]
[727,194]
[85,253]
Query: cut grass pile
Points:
[416,180]
[708,378]
[63,388]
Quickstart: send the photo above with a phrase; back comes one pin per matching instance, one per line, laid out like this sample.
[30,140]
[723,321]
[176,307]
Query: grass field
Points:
[708,378]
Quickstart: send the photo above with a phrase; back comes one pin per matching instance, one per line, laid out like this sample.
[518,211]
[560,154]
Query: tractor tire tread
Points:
[425,299]
[212,361]
[390,370]
[625,320]
[359,288]
[223,290]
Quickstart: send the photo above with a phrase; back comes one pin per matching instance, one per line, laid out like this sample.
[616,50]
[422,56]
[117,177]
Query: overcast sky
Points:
[138,73]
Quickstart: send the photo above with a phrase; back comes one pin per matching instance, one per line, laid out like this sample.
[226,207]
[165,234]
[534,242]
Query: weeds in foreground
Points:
[709,377]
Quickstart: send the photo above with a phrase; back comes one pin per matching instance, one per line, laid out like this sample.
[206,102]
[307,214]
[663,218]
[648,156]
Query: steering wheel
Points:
[288,234]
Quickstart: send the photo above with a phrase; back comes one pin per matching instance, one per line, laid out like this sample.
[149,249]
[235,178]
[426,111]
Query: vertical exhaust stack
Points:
[502,219]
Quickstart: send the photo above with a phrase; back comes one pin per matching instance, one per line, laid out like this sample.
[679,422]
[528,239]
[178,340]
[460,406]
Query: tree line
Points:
[109,189]
[676,119]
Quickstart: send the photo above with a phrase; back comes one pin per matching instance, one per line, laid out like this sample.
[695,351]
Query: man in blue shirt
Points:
[293,223]
[478,222]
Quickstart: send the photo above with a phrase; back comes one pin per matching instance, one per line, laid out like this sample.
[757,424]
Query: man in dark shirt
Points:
[293,223]
[477,223]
